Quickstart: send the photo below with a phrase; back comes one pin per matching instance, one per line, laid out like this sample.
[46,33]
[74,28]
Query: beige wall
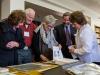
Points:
[57,5]
[0,9]
[42,11]
[5,8]
[8,6]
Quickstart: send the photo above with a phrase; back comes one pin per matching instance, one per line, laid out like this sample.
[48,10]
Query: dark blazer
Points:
[35,46]
[61,38]
[9,56]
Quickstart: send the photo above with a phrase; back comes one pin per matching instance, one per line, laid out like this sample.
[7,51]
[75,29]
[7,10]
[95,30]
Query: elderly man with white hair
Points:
[25,55]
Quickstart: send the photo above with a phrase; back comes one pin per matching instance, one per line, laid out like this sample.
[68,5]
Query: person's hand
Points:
[45,59]
[60,46]
[12,44]
[71,49]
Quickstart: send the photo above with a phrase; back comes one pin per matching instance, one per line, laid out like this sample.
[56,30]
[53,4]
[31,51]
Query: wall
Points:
[17,4]
[42,11]
[66,5]
[48,5]
[0,9]
[5,8]
[10,5]
[56,5]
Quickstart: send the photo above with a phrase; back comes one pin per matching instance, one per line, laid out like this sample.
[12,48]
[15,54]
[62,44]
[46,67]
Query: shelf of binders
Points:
[97,30]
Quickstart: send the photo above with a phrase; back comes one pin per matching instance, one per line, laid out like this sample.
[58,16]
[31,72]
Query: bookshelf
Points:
[97,30]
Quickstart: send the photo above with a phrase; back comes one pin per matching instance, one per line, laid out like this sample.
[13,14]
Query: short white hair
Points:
[30,11]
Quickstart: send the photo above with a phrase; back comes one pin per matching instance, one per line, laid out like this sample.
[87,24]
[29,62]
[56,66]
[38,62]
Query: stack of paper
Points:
[86,69]
[5,71]
[65,61]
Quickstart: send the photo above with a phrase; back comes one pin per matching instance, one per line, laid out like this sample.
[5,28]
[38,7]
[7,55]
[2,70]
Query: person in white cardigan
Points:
[87,48]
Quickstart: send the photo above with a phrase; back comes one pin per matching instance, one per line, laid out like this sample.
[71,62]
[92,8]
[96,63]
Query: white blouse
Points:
[87,47]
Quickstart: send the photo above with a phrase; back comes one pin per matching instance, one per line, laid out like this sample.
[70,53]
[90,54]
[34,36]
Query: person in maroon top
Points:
[25,55]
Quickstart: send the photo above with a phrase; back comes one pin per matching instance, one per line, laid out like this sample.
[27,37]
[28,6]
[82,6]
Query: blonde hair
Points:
[50,19]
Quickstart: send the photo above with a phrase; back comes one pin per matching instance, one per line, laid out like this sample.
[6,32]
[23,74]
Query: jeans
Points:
[24,56]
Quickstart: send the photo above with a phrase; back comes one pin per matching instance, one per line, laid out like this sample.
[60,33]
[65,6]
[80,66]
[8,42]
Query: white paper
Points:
[57,54]
[65,61]
[8,73]
[3,70]
[26,34]
[85,69]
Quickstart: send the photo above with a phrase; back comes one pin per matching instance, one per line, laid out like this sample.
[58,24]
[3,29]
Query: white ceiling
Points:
[91,4]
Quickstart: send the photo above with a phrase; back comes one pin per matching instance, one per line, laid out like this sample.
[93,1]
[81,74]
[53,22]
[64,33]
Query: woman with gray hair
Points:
[46,38]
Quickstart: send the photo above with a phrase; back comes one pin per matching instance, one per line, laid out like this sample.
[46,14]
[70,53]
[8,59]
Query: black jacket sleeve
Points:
[35,46]
[7,35]
[20,39]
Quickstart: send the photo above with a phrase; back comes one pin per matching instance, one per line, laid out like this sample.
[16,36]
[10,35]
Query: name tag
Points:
[26,34]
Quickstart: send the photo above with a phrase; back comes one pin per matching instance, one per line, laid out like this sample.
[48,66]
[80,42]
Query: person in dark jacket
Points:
[65,35]
[11,38]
